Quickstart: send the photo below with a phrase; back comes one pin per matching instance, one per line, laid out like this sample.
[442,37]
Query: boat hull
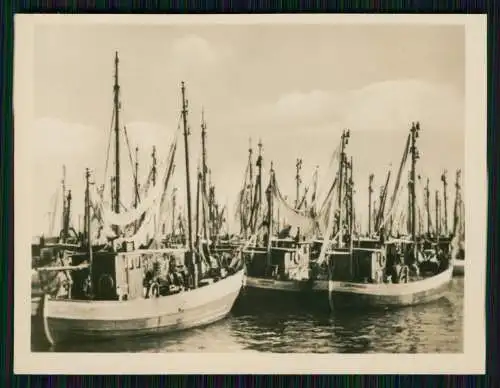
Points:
[459,268]
[386,296]
[353,295]
[66,320]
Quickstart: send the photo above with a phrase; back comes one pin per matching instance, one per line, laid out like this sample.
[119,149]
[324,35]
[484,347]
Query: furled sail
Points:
[146,217]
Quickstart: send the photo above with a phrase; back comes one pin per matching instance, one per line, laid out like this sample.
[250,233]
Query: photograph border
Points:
[471,361]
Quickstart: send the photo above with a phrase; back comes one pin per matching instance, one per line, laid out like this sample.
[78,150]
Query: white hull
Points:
[67,320]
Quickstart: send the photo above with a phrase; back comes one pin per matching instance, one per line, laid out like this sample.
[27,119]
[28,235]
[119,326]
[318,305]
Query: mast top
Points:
[458,175]
[203,122]
[443,176]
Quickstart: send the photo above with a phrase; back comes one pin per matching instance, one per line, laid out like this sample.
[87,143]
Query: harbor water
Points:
[432,328]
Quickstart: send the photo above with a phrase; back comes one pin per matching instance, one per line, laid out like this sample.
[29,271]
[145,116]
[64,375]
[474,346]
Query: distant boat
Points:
[121,290]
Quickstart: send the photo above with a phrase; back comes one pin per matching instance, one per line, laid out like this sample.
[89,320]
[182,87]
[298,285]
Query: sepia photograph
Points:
[279,193]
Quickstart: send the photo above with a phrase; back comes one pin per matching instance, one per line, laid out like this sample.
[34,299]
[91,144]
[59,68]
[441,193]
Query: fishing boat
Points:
[126,288]
[50,250]
[281,259]
[396,274]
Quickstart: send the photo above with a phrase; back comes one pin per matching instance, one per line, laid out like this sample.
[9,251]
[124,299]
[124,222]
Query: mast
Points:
[259,165]
[87,210]
[370,192]
[438,225]
[457,200]
[380,212]
[351,217]
[344,141]
[298,166]
[204,169]
[427,207]
[136,180]
[198,189]
[415,129]
[250,172]
[173,210]
[67,216]
[116,90]
[257,203]
[63,184]
[210,207]
[351,199]
[188,185]
[153,169]
[270,213]
[445,200]
[315,190]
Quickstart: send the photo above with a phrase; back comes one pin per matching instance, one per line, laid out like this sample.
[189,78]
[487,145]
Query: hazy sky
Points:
[294,86]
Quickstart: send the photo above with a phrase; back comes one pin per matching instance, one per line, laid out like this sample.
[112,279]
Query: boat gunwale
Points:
[394,289]
[375,289]
[151,304]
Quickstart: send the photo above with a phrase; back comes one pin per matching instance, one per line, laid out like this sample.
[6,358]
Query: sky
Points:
[295,87]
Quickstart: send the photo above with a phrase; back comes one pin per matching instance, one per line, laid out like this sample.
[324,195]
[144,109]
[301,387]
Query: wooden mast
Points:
[415,129]
[87,226]
[351,217]
[445,200]
[136,179]
[153,168]
[116,90]
[315,190]
[427,207]
[370,192]
[269,194]
[191,257]
[199,183]
[204,171]
[250,174]
[344,141]
[298,166]
[67,217]
[136,184]
[351,198]
[257,203]
[409,220]
[438,225]
[380,210]
[63,215]
[458,198]
[173,210]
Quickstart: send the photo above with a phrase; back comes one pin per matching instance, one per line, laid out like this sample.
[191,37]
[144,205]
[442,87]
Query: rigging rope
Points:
[113,115]
[134,175]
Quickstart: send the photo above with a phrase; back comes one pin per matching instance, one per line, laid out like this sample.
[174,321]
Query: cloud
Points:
[389,105]
[393,105]
[56,143]
[194,50]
